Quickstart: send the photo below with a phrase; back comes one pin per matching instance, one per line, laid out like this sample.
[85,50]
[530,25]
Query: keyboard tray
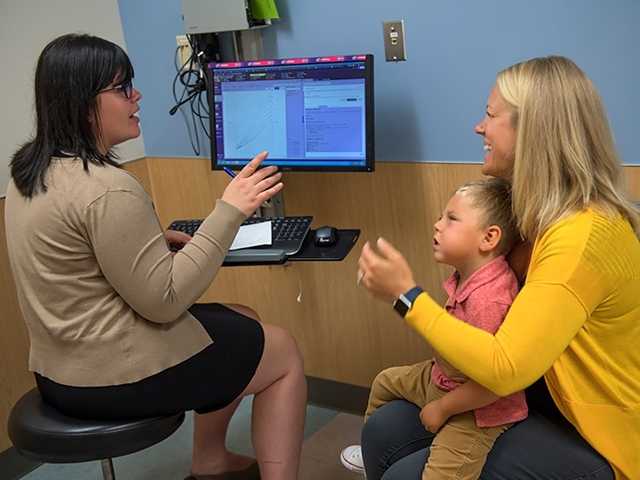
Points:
[251,256]
[288,233]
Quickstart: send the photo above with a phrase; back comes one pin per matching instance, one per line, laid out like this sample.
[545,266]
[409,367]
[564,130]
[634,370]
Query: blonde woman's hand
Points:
[385,272]
[253,186]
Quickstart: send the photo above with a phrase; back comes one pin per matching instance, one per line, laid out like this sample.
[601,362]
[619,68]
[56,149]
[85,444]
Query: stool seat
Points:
[40,432]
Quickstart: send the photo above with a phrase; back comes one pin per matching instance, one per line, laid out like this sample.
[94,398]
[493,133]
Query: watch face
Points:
[402,305]
[405,301]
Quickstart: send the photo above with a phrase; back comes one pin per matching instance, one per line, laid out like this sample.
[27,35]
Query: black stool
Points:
[40,432]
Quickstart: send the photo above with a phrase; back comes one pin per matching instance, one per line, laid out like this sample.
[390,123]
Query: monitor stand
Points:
[274,208]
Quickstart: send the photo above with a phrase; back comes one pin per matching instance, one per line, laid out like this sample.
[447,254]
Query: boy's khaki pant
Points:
[459,449]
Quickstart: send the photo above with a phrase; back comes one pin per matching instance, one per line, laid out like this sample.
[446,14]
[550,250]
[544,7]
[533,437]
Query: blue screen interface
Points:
[306,112]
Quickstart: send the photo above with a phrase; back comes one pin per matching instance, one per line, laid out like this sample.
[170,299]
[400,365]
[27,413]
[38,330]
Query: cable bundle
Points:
[192,78]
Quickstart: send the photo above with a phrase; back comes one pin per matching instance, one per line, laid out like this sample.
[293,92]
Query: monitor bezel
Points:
[369,164]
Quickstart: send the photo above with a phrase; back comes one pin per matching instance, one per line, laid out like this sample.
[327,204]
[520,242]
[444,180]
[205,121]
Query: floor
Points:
[326,433]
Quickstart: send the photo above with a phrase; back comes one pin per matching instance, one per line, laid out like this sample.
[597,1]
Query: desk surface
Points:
[310,252]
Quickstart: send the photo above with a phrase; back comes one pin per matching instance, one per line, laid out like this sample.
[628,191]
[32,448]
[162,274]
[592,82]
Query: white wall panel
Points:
[26,26]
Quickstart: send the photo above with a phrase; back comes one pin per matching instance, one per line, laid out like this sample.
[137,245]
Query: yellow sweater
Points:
[577,322]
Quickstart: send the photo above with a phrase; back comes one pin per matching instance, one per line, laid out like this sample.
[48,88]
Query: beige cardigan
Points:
[104,300]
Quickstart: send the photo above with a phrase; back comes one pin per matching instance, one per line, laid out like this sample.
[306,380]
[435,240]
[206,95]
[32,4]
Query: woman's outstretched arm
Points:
[540,324]
[543,319]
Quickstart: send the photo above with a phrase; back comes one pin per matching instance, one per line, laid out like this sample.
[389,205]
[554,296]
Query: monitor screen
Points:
[312,113]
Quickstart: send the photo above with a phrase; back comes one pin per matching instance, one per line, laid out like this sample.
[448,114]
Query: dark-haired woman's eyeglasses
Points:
[125,89]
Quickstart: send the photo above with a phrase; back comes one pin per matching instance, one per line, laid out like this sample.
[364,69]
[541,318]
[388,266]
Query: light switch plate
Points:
[394,48]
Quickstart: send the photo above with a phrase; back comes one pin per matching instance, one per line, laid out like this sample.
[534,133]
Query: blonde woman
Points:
[571,333]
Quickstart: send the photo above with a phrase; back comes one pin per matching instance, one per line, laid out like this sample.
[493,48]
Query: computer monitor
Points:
[310,114]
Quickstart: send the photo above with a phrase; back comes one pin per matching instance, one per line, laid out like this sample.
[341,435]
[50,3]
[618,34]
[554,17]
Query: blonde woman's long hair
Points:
[565,158]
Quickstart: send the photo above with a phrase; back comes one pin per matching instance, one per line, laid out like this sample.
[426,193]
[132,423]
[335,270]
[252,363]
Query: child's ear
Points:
[491,238]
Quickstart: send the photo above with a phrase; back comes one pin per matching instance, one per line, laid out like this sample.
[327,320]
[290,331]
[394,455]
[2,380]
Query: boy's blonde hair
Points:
[492,197]
[565,159]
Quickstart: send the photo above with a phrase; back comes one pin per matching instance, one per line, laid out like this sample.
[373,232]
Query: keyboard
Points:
[287,234]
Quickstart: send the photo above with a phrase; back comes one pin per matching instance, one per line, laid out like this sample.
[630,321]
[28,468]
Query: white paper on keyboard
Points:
[252,236]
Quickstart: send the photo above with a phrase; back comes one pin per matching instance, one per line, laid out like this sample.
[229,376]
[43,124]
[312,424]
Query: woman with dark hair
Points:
[110,310]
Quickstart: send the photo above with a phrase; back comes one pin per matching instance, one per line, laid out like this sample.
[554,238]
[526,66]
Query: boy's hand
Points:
[385,273]
[433,416]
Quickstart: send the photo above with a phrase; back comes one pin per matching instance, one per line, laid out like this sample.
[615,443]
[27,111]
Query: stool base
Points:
[107,469]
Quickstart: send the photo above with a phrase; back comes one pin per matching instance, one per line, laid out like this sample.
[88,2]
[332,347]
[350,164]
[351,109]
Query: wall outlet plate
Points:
[394,47]
[184,49]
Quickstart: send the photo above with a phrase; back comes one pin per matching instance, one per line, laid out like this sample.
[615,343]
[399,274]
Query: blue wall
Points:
[426,107]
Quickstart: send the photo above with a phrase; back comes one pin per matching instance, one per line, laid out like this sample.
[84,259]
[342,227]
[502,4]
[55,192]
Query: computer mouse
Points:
[325,236]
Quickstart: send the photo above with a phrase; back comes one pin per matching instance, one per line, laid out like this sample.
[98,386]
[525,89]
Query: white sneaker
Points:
[351,458]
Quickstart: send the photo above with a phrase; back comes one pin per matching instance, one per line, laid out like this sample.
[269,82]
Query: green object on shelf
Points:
[264,9]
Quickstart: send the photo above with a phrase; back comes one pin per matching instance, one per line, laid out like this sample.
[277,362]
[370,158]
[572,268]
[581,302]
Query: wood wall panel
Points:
[181,187]
[15,379]
[632,175]
[344,334]
[139,168]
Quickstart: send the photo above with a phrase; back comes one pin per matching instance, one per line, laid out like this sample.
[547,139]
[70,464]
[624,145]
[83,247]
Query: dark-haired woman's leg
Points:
[395,447]
[210,452]
[278,412]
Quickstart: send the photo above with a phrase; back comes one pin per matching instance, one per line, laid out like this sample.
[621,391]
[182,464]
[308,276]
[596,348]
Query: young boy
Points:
[473,234]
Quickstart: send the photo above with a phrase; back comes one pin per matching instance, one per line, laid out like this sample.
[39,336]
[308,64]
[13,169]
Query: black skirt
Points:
[208,381]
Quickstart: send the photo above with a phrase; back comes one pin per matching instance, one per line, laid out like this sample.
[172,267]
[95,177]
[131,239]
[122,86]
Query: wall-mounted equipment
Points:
[208,16]
[214,30]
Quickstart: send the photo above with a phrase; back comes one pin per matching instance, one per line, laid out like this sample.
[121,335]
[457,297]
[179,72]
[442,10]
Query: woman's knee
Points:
[391,433]
[374,426]
[385,419]
[279,342]
[281,358]
[395,425]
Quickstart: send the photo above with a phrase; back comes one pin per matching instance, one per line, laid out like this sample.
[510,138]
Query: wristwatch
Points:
[405,301]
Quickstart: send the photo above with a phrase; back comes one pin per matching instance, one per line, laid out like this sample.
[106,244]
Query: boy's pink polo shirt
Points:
[483,301]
